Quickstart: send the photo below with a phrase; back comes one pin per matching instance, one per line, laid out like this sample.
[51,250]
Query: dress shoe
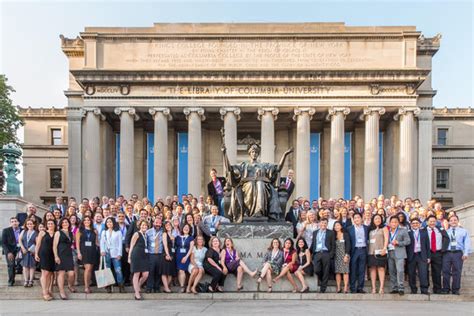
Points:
[401,292]
[425,292]
[394,292]
[414,291]
[148,291]
[444,292]
[322,291]
[361,291]
[353,291]
[455,293]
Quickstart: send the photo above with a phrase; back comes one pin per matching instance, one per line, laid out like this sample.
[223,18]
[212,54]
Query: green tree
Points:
[10,121]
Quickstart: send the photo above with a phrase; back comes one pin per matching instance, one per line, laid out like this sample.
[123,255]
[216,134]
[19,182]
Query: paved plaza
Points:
[242,307]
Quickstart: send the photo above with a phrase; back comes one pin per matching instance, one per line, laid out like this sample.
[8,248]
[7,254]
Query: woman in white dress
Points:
[309,227]
[195,267]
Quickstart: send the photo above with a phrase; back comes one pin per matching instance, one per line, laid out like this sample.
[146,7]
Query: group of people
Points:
[174,242]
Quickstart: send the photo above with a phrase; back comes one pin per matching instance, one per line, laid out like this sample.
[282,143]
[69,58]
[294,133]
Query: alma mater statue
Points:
[254,186]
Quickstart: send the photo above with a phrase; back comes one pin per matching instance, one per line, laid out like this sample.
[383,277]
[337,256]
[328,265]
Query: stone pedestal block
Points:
[251,239]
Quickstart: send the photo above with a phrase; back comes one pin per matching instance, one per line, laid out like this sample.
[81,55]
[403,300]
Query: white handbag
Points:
[104,276]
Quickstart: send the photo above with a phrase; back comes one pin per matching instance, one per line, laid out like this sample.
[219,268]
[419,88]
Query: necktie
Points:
[453,238]
[433,241]
[157,243]
[287,183]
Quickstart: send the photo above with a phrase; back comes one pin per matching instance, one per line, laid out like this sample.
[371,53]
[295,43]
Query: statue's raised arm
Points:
[283,158]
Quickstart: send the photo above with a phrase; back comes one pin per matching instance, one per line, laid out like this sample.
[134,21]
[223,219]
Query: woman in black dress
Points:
[62,243]
[305,266]
[87,250]
[168,266]
[45,256]
[213,267]
[138,258]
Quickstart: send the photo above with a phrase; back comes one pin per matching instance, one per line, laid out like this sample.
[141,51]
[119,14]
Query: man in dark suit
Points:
[439,242]
[59,205]
[323,249]
[215,189]
[287,184]
[358,234]
[10,245]
[292,216]
[133,228]
[418,255]
[30,210]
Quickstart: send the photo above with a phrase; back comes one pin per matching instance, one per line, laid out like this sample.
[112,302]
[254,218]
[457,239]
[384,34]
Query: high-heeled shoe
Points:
[270,289]
[239,288]
[339,291]
[64,298]
[305,290]
[72,289]
[140,298]
[47,298]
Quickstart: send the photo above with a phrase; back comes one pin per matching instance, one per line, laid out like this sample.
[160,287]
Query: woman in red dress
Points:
[290,263]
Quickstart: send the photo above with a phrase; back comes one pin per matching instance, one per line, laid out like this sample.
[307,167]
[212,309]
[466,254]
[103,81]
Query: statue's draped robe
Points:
[254,193]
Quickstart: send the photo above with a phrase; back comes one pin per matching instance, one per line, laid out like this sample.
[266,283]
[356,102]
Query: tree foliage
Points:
[10,120]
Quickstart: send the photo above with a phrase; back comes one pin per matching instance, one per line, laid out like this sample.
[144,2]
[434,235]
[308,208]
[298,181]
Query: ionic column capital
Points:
[370,111]
[262,111]
[336,110]
[225,110]
[129,110]
[406,109]
[75,114]
[165,111]
[198,111]
[96,111]
[301,111]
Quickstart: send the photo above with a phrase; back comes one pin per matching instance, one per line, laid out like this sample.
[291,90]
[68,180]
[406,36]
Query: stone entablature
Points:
[51,112]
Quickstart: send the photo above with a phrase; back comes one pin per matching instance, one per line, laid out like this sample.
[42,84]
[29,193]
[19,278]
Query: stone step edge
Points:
[229,296]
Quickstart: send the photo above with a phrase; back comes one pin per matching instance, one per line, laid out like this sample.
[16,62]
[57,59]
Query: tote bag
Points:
[104,276]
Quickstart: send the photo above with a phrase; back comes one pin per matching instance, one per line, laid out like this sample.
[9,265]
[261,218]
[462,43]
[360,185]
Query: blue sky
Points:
[31,57]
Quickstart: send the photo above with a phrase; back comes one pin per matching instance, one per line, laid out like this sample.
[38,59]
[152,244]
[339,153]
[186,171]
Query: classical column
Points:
[406,164]
[127,150]
[74,175]
[194,117]
[337,116]
[267,116]
[92,150]
[303,116]
[230,116]
[371,158]
[425,143]
[160,150]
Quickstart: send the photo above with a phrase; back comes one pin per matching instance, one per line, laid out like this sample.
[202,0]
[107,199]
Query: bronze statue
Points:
[254,186]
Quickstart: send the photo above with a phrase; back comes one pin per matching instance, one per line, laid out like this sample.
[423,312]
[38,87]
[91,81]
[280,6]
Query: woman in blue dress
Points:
[184,244]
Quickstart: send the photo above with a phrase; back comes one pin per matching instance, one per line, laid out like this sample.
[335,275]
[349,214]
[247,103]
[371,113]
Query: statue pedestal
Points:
[252,239]
[11,205]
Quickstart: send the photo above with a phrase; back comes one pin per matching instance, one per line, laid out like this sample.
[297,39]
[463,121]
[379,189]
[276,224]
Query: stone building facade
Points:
[146,105]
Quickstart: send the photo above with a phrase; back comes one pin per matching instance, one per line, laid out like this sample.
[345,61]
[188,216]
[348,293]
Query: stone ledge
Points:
[229,296]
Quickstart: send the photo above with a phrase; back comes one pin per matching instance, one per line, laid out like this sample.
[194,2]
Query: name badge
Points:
[391,247]
[372,241]
[182,250]
[342,240]
[152,245]
[319,246]
[454,243]
[378,251]
[18,245]
[213,230]
[88,243]
[173,250]
[146,250]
